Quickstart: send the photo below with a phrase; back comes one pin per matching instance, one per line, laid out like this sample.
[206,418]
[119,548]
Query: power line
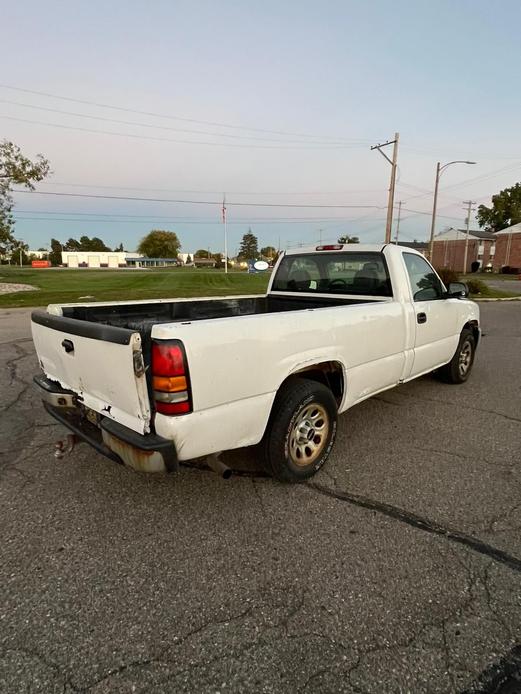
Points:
[313,146]
[468,181]
[153,216]
[172,117]
[213,192]
[181,222]
[161,127]
[195,202]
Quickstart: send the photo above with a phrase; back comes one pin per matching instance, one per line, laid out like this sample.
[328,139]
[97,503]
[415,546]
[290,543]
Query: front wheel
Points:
[459,367]
[301,431]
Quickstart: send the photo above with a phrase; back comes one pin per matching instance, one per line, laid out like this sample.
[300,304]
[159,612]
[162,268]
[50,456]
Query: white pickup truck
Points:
[152,383]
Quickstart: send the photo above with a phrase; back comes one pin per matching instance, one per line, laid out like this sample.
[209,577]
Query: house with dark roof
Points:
[449,249]
[508,248]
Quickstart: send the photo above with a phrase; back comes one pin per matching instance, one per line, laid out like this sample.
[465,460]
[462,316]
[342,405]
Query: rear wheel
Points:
[459,367]
[301,430]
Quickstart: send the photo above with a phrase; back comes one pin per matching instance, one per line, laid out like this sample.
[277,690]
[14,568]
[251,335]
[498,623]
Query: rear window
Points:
[334,273]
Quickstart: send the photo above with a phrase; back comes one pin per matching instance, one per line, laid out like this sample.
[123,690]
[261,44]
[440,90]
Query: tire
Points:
[301,430]
[459,367]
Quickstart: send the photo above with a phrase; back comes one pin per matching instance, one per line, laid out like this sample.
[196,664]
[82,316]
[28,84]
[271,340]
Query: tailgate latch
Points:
[139,364]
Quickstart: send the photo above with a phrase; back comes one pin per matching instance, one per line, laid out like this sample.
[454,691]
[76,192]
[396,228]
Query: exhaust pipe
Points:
[216,464]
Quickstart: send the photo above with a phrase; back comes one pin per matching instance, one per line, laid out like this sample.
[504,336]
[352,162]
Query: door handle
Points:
[421,317]
[68,346]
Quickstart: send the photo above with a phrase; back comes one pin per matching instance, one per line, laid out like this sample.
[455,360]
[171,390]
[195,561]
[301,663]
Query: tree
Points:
[268,252]
[93,244]
[85,244]
[348,239]
[72,245]
[201,253]
[19,251]
[188,259]
[119,249]
[15,169]
[504,212]
[249,247]
[97,244]
[55,256]
[160,244]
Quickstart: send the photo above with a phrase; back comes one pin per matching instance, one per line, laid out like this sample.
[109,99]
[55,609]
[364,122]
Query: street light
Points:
[439,171]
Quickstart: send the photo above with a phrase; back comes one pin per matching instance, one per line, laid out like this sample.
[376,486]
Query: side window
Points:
[425,284]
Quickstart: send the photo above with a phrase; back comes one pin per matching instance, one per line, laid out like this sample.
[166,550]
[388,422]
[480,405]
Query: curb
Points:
[503,298]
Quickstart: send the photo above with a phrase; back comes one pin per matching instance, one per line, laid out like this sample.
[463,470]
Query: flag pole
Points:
[225,235]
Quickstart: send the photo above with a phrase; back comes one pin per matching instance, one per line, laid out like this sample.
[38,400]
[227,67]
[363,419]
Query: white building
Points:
[112,259]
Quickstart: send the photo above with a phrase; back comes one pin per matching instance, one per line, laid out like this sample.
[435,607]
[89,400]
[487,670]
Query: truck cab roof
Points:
[349,248]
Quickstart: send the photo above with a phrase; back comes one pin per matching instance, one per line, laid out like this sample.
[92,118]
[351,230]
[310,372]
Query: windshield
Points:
[334,273]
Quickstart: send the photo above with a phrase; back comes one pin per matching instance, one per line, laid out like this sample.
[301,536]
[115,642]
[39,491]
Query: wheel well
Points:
[474,326]
[329,373]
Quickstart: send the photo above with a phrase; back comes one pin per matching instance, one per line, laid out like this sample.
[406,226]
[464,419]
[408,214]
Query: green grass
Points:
[491,293]
[488,276]
[61,285]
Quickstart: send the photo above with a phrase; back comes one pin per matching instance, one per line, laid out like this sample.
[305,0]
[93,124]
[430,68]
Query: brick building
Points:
[508,248]
[449,249]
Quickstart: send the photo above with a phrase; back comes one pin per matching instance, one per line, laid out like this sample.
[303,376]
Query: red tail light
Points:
[170,378]
[334,247]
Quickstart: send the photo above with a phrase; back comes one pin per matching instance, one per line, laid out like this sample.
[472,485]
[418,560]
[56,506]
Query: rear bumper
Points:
[143,452]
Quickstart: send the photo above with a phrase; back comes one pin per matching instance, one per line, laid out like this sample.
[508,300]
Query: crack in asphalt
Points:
[159,655]
[421,523]
[16,342]
[455,404]
[11,366]
[53,667]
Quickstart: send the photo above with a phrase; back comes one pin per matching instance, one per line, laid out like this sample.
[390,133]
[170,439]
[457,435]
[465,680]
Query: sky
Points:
[274,104]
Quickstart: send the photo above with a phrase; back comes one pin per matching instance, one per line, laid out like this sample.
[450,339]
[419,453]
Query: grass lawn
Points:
[496,276]
[61,285]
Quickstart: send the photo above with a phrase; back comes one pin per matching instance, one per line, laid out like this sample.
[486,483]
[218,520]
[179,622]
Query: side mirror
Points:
[457,290]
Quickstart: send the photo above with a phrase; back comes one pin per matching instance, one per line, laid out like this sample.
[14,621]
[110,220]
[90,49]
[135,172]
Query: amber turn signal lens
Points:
[169,384]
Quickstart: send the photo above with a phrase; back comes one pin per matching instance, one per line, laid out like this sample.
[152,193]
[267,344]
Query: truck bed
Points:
[143,316]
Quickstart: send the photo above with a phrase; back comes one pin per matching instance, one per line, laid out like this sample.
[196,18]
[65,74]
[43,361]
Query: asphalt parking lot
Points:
[397,570]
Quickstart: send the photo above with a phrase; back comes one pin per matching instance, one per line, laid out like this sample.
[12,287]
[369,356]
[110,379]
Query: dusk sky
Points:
[269,102]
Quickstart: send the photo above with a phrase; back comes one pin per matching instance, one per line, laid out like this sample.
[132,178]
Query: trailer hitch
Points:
[65,446]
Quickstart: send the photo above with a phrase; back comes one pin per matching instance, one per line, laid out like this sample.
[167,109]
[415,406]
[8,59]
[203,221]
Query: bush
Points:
[508,270]
[475,266]
[447,275]
[476,287]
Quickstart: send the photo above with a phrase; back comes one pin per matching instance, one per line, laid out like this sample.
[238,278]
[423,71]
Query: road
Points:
[397,570]
[510,286]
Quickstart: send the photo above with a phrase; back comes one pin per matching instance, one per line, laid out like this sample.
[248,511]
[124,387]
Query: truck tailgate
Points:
[102,364]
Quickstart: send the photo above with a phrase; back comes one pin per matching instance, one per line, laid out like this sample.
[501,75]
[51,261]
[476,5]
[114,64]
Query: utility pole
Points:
[469,204]
[398,222]
[394,166]
[225,222]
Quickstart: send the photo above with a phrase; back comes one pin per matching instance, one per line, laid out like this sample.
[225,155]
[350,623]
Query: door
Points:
[113,261]
[72,261]
[93,261]
[436,318]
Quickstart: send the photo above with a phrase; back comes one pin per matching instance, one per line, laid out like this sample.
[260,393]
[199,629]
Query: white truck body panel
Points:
[237,364]
[100,372]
